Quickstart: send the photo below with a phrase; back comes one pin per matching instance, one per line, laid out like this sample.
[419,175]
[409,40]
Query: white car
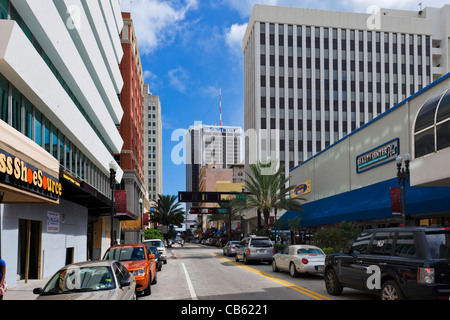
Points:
[298,259]
[158,243]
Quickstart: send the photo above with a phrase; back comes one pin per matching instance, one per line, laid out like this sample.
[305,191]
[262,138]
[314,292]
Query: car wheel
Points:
[332,284]
[391,291]
[293,270]
[274,266]
[224,253]
[155,279]
[245,259]
[148,290]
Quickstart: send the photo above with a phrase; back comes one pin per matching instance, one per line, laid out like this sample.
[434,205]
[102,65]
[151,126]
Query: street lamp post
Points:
[403,177]
[112,184]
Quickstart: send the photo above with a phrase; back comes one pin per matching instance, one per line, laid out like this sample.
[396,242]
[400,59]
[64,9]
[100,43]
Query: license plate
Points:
[260,251]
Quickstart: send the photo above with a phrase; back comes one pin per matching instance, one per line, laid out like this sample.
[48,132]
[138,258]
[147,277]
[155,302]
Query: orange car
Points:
[137,260]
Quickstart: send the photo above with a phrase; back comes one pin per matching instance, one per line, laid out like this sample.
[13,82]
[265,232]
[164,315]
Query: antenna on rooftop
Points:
[420,9]
[220,105]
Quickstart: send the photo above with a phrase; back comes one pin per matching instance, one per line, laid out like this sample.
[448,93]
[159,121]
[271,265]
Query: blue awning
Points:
[371,202]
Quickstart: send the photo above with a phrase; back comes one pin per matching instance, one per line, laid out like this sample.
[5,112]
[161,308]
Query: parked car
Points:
[91,280]
[158,260]
[221,242]
[158,243]
[394,263]
[230,248]
[298,259]
[137,260]
[255,248]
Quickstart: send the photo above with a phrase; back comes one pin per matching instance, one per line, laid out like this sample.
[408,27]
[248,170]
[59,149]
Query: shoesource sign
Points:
[22,175]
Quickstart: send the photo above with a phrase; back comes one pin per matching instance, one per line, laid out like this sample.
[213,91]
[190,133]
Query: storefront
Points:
[38,229]
[356,178]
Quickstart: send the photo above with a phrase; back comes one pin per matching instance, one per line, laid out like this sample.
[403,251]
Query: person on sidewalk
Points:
[2,278]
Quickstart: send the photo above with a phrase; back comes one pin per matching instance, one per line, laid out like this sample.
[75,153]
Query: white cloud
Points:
[234,36]
[157,22]
[178,78]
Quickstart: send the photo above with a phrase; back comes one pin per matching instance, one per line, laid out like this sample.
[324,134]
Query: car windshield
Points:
[125,254]
[260,243]
[74,279]
[155,243]
[439,243]
[309,251]
[154,250]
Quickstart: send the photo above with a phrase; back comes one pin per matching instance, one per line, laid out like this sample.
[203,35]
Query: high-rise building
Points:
[210,144]
[59,107]
[152,144]
[132,189]
[313,76]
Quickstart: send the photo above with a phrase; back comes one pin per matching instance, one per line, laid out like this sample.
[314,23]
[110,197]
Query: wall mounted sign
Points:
[301,189]
[22,175]
[53,222]
[377,156]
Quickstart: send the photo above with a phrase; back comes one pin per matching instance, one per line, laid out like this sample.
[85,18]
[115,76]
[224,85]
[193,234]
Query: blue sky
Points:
[189,47]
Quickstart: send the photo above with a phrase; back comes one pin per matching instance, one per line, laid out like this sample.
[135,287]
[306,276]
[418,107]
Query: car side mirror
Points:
[125,283]
[151,256]
[37,290]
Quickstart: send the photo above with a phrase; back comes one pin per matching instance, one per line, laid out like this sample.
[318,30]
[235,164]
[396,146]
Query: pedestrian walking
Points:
[2,278]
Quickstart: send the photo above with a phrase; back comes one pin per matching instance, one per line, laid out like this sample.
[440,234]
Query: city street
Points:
[199,272]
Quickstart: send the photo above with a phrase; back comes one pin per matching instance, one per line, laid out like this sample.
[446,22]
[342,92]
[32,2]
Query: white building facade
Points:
[210,144]
[59,107]
[313,76]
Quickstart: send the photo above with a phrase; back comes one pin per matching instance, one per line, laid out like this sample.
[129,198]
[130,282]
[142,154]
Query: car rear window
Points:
[439,244]
[260,243]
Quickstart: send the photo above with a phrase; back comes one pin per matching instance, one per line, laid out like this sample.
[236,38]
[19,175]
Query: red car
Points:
[137,260]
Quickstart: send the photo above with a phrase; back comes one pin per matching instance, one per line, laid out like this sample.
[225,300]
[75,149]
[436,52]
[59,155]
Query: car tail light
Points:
[233,247]
[248,250]
[425,275]
[273,251]
[305,261]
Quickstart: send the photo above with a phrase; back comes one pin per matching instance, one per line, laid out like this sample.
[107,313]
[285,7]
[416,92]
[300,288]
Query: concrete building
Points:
[313,76]
[209,144]
[355,179]
[152,144]
[131,196]
[216,178]
[59,81]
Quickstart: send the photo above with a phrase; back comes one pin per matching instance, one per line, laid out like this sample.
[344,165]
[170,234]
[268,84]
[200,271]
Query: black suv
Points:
[394,263]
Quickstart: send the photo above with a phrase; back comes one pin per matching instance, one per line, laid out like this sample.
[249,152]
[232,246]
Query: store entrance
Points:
[29,255]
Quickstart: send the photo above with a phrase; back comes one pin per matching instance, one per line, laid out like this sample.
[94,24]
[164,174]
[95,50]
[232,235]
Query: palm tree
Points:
[267,192]
[168,212]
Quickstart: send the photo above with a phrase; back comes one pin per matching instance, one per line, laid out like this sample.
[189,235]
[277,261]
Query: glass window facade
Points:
[432,127]
[334,80]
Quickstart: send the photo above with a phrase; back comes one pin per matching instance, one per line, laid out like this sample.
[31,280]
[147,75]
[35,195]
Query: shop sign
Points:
[301,189]
[53,222]
[377,156]
[22,175]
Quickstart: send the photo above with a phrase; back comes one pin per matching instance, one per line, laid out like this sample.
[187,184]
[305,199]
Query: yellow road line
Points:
[285,283]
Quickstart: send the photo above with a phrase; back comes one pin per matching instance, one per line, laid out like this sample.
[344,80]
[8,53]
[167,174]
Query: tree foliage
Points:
[267,191]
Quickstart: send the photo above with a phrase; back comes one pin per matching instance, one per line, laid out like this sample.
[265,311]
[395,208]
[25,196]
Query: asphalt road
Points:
[199,272]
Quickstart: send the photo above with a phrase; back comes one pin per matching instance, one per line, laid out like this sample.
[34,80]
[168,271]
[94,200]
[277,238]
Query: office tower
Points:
[210,144]
[152,144]
[313,76]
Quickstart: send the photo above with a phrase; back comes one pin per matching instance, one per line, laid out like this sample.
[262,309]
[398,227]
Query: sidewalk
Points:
[24,291]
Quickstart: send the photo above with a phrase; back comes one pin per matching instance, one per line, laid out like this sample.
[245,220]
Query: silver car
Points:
[255,248]
[91,280]
[230,248]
